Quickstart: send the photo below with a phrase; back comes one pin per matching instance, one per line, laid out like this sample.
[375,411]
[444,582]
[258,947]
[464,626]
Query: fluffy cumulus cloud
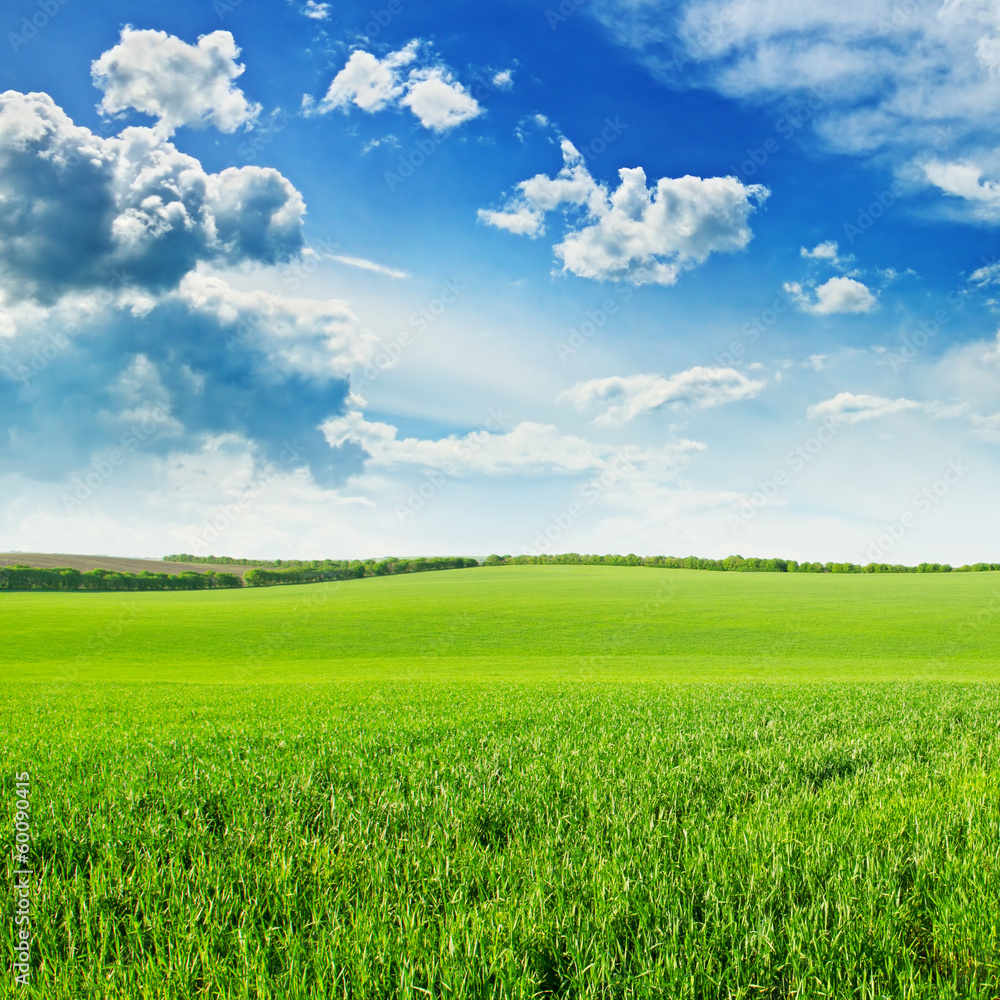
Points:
[837,295]
[79,211]
[631,396]
[918,81]
[112,329]
[634,233]
[180,84]
[965,181]
[527,449]
[438,101]
[828,252]
[316,11]
[848,408]
[321,338]
[405,78]
[259,372]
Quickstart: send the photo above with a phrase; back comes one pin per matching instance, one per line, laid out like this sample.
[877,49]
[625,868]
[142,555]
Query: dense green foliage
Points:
[510,840]
[735,564]
[32,578]
[330,569]
[731,564]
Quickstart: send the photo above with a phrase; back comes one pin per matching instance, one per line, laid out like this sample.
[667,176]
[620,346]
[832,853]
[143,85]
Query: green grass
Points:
[511,783]
[532,621]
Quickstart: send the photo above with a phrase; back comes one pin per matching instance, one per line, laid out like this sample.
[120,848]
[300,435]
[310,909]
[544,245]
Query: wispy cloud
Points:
[633,395]
[368,265]
[848,408]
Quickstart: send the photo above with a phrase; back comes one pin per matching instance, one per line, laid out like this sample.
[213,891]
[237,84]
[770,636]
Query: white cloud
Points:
[84,212]
[438,100]
[964,180]
[993,353]
[503,80]
[987,427]
[988,274]
[368,265]
[368,82]
[912,80]
[635,395]
[180,84]
[848,408]
[521,220]
[316,11]
[315,337]
[633,233]
[430,91]
[528,449]
[827,251]
[876,63]
[838,295]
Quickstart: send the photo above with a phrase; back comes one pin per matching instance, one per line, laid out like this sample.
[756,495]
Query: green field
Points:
[532,621]
[512,782]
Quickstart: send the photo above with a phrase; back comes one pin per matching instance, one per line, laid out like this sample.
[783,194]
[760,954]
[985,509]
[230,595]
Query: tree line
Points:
[267,574]
[731,564]
[33,578]
[332,569]
[316,571]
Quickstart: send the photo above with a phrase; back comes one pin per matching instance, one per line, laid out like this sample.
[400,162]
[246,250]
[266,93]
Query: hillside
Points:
[533,621]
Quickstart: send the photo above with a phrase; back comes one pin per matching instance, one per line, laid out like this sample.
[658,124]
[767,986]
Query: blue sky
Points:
[299,279]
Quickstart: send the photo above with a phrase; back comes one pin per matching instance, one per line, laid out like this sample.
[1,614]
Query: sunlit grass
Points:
[570,823]
[534,621]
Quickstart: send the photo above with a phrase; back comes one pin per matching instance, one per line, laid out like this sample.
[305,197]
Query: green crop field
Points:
[532,621]
[561,781]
